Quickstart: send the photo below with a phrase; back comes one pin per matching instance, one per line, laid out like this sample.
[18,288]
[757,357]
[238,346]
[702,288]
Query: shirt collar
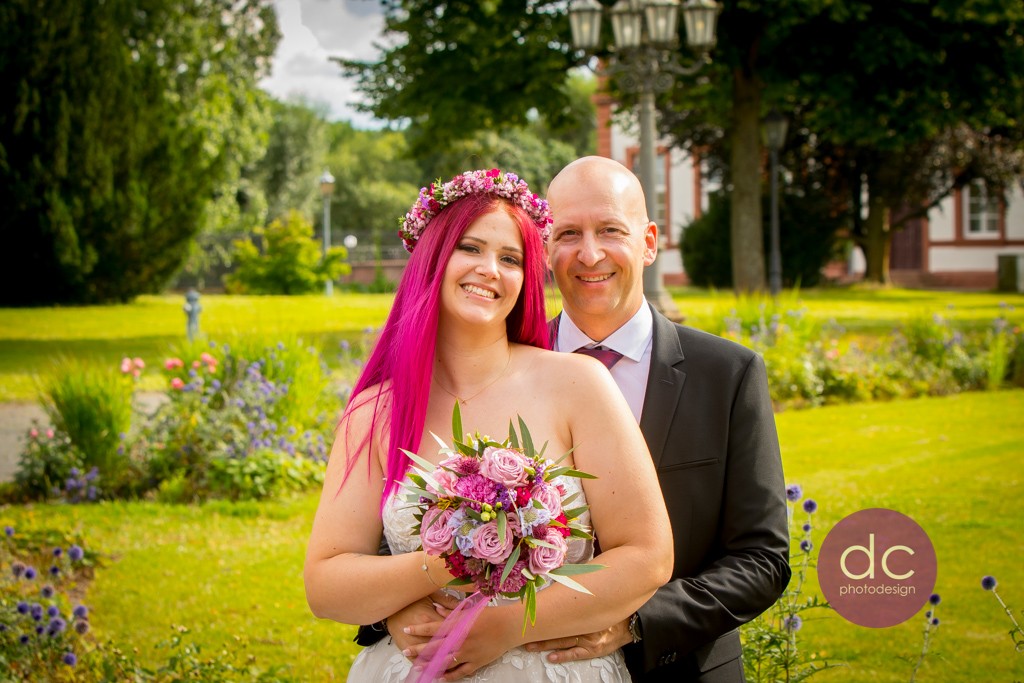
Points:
[631,340]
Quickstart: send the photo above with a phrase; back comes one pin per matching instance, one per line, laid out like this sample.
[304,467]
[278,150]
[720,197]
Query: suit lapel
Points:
[664,386]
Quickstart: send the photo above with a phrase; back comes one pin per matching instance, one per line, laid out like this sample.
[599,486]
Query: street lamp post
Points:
[644,62]
[775,125]
[326,190]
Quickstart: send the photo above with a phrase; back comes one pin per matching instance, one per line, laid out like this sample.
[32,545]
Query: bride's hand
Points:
[585,646]
[491,636]
[423,611]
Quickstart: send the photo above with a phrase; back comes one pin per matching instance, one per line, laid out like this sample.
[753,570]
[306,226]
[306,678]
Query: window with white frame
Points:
[660,188]
[983,210]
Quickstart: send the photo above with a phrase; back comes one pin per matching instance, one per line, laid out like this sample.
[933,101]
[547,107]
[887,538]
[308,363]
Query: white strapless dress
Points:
[384,663]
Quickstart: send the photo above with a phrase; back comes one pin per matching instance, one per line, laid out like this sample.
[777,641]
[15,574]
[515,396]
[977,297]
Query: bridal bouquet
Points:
[496,515]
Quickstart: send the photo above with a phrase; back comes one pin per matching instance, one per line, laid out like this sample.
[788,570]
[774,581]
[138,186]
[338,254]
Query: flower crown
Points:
[434,198]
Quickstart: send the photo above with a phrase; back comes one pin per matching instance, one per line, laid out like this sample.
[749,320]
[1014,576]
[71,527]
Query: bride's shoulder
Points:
[568,366]
[372,400]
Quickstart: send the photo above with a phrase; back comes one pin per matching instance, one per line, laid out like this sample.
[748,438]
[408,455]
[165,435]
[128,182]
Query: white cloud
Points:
[312,31]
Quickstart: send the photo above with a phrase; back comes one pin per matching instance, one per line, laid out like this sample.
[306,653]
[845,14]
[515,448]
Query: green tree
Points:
[125,134]
[290,262]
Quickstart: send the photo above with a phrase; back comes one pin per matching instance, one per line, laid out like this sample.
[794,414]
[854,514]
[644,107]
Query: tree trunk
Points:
[747,240]
[877,239]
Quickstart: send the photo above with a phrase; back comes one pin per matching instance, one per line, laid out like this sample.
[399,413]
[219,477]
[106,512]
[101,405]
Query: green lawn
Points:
[953,464]
[31,338]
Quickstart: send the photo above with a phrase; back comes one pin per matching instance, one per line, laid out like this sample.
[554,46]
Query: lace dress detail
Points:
[384,663]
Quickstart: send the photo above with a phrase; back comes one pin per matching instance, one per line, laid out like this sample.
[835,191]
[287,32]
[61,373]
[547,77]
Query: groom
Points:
[703,407]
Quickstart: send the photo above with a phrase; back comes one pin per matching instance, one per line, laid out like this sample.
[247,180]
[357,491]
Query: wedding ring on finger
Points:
[455,661]
[577,642]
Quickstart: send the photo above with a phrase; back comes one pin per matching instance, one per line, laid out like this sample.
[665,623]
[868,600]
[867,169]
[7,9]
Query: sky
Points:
[311,32]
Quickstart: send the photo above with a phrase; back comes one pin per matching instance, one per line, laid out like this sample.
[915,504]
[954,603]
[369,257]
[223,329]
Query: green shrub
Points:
[92,406]
[290,262]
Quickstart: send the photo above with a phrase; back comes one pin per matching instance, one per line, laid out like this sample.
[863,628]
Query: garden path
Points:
[16,419]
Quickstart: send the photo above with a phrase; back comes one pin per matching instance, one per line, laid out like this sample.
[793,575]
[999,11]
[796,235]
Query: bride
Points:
[468,325]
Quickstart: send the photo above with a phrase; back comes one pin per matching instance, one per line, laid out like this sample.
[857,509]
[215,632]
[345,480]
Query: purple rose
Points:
[505,466]
[489,545]
[549,497]
[435,534]
[544,559]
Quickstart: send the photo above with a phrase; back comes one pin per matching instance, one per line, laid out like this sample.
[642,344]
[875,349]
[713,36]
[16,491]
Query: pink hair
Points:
[403,357]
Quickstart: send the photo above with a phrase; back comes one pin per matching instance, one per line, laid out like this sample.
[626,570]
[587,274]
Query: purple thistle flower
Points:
[23,640]
[23,607]
[792,623]
[989,583]
[810,507]
[57,626]
[52,611]
[9,530]
[70,659]
[75,553]
[928,614]
[794,492]
[934,599]
[806,545]
[36,611]
[3,628]
[47,592]
[30,573]
[81,612]
[57,552]
[81,627]
[806,527]
[54,570]
[935,621]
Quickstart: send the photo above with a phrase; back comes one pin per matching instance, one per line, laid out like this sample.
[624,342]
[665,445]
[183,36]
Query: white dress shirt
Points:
[633,340]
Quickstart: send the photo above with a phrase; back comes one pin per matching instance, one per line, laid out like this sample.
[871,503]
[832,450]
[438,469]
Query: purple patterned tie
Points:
[606,356]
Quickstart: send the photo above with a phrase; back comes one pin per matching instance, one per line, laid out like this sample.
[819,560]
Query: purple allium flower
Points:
[935,621]
[806,527]
[806,545]
[70,659]
[794,492]
[81,627]
[9,530]
[23,607]
[934,599]
[47,592]
[39,630]
[54,570]
[23,640]
[928,614]
[989,582]
[810,506]
[81,612]
[75,553]
[3,628]
[36,611]
[56,627]
[57,552]
[30,573]
[52,611]
[792,623]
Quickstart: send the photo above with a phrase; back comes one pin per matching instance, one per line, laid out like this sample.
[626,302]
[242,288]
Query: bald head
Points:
[602,175]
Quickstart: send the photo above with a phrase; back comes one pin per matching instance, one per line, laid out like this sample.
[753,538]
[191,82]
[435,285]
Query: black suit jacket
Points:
[708,422]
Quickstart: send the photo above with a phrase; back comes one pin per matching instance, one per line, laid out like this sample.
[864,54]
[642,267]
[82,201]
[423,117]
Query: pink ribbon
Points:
[436,657]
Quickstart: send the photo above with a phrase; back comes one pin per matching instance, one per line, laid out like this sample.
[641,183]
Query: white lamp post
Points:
[645,62]
[326,190]
[775,125]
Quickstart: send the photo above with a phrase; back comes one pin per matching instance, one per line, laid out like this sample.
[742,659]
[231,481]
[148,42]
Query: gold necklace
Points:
[464,401]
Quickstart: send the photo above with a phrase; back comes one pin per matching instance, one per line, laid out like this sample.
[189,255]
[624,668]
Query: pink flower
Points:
[435,534]
[549,497]
[196,364]
[461,465]
[177,383]
[544,559]
[49,433]
[207,358]
[138,363]
[493,173]
[126,365]
[489,545]
[446,481]
[174,363]
[505,466]
[476,487]
[33,433]
[515,581]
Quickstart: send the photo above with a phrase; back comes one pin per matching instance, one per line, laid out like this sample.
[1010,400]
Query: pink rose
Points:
[138,363]
[504,466]
[177,383]
[549,497]
[544,559]
[174,363]
[489,545]
[33,433]
[126,365]
[207,358]
[435,534]
[49,433]
[446,481]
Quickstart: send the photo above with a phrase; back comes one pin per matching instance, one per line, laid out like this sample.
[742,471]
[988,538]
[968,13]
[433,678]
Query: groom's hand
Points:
[586,646]
[423,611]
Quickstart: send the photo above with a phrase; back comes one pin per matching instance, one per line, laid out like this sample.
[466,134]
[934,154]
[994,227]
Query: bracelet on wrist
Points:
[426,570]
